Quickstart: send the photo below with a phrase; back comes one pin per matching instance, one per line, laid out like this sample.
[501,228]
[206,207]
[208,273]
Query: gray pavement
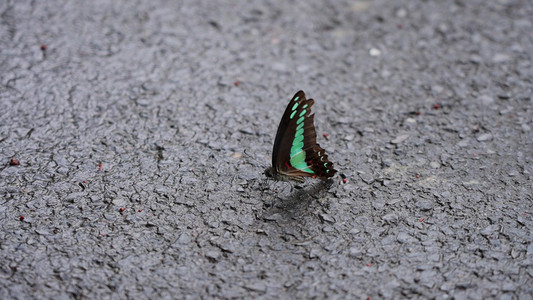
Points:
[134,135]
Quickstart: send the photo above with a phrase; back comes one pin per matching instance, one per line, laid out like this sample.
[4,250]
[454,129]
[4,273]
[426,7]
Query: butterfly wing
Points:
[296,153]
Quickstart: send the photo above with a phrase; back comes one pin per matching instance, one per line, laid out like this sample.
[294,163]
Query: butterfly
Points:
[296,154]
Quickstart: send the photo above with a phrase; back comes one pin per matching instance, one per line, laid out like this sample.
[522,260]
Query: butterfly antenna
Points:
[233,179]
[264,180]
[290,187]
[255,160]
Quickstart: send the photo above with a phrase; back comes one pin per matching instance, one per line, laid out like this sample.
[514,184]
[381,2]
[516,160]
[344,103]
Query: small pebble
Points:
[501,58]
[399,139]
[484,137]
[403,237]
[391,218]
[213,254]
[434,165]
[463,143]
[424,205]
[401,13]
[279,67]
[374,52]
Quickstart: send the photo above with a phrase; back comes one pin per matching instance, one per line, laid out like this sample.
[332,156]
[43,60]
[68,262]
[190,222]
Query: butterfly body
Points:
[296,154]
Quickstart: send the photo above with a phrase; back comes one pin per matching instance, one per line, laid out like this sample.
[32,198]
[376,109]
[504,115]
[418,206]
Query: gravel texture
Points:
[134,135]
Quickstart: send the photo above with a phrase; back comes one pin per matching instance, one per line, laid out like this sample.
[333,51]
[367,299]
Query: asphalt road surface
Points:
[134,136]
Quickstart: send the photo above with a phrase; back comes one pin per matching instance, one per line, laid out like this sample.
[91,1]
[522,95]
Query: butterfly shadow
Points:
[301,200]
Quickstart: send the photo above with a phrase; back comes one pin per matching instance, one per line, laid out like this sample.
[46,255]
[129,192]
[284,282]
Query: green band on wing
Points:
[295,152]
[297,143]
[293,113]
[299,134]
[298,162]
[297,147]
[294,106]
[298,155]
